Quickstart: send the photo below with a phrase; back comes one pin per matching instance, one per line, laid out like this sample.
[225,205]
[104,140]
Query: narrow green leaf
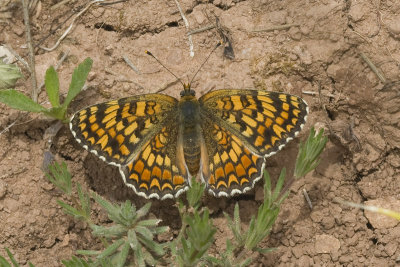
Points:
[88,252]
[17,100]
[139,256]
[150,222]
[309,152]
[279,184]
[195,193]
[4,262]
[267,185]
[144,231]
[246,262]
[60,177]
[68,209]
[11,256]
[143,210]
[78,80]
[30,264]
[52,86]
[160,230]
[84,201]
[113,231]
[111,249]
[123,255]
[265,250]
[132,239]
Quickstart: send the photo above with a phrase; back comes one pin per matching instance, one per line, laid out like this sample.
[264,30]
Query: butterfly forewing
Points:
[263,121]
[116,130]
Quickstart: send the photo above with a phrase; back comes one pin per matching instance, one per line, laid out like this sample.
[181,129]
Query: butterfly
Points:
[159,142]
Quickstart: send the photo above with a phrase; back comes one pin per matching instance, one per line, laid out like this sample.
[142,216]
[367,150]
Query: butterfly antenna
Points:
[215,48]
[159,62]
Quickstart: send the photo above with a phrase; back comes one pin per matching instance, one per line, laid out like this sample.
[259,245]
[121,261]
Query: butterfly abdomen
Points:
[190,130]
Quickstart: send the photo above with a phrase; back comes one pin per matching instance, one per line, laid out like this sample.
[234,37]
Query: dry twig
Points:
[278,28]
[130,64]
[187,27]
[378,73]
[70,26]
[35,90]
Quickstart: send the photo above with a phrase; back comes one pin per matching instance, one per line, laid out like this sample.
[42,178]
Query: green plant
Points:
[9,74]
[17,100]
[5,263]
[130,239]
[129,234]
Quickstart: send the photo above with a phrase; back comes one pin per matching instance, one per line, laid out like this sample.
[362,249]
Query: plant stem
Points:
[35,91]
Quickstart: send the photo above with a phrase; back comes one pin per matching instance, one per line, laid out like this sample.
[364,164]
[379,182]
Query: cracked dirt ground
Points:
[321,53]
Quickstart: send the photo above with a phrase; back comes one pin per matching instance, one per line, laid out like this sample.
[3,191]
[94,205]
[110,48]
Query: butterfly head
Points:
[187,91]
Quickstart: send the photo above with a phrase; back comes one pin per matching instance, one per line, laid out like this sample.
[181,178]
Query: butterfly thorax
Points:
[190,132]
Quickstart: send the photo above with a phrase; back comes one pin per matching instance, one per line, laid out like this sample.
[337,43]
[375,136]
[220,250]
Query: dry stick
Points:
[70,27]
[206,28]
[315,93]
[130,64]
[307,198]
[53,7]
[187,27]
[18,57]
[122,78]
[168,84]
[35,91]
[278,27]
[373,68]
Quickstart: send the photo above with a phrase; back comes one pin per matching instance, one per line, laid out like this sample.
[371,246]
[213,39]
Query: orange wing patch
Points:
[233,169]
[153,172]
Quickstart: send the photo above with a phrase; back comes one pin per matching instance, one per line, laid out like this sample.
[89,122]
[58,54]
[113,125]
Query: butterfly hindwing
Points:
[116,130]
[263,121]
[232,168]
[154,172]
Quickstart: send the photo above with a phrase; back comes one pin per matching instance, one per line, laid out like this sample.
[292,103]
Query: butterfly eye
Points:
[182,93]
[192,92]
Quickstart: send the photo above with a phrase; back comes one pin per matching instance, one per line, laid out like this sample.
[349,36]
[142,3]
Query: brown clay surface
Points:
[361,162]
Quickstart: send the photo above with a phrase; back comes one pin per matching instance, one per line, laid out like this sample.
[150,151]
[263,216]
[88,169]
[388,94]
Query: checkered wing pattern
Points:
[232,168]
[248,126]
[116,130]
[154,172]
[137,134]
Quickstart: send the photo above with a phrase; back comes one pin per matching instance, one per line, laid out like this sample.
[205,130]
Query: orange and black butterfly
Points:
[159,142]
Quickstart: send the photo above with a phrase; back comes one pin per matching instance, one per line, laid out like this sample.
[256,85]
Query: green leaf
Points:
[111,249]
[17,100]
[195,193]
[279,185]
[123,255]
[4,262]
[60,177]
[84,201]
[52,86]
[57,113]
[11,256]
[150,222]
[309,152]
[132,239]
[88,252]
[78,80]
[143,210]
[265,250]
[9,74]
[75,262]
[68,209]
